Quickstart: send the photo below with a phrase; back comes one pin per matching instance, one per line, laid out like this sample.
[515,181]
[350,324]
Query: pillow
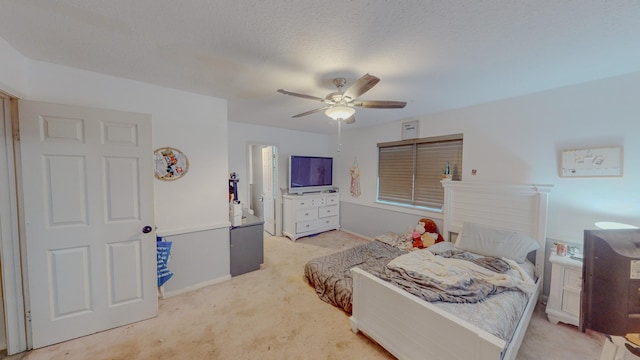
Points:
[440,247]
[490,241]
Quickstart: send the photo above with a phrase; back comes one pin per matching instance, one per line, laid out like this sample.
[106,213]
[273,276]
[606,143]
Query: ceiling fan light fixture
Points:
[340,112]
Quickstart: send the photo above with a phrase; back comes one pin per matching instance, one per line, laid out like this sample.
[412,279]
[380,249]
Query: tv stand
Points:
[310,213]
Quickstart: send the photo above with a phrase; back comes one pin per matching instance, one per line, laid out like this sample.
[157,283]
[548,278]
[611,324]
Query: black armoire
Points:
[611,282]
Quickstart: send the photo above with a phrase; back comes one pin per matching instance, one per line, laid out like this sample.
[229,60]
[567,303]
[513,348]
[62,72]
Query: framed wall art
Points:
[593,162]
[170,163]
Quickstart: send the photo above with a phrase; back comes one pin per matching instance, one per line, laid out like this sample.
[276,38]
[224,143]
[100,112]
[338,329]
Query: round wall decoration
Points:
[170,163]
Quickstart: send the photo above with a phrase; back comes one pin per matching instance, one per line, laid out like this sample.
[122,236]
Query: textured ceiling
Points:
[434,54]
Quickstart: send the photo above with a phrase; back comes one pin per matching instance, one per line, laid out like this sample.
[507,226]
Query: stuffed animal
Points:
[431,235]
[417,233]
[424,234]
[417,240]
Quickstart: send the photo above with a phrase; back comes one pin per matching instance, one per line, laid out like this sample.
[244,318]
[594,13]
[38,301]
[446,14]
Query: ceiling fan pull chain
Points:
[339,135]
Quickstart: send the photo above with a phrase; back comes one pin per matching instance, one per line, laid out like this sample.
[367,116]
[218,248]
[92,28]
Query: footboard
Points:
[410,328]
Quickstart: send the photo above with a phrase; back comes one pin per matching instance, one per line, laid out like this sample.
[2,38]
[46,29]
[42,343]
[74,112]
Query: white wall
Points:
[192,123]
[289,142]
[519,140]
[13,70]
[188,211]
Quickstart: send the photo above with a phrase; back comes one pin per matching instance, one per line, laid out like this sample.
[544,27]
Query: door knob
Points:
[147,229]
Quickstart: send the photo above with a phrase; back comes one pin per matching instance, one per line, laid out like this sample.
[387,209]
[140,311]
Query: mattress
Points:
[330,275]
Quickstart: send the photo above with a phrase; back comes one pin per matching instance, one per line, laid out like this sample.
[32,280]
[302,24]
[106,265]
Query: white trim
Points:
[164,295]
[356,234]
[192,229]
[9,237]
[522,208]
[405,209]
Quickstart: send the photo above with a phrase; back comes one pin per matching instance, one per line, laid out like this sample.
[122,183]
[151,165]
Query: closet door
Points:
[88,205]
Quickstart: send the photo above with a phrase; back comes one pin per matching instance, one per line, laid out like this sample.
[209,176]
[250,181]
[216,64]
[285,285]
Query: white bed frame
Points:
[410,328]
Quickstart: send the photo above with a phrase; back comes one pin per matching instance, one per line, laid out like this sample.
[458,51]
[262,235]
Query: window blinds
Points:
[410,172]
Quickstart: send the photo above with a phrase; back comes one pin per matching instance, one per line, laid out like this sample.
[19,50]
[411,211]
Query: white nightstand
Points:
[564,292]
[614,349]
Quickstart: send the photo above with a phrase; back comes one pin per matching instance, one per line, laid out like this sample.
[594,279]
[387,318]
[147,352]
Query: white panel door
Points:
[268,197]
[88,194]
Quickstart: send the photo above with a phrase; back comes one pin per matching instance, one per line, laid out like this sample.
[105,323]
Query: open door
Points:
[268,191]
[88,195]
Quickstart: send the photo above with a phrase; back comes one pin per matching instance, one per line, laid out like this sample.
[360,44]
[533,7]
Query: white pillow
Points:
[490,241]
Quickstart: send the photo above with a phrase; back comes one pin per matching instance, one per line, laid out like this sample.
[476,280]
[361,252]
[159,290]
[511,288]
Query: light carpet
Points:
[273,313]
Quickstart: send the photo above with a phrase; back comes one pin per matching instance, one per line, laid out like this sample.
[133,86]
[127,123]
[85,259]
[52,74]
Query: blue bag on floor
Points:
[163,252]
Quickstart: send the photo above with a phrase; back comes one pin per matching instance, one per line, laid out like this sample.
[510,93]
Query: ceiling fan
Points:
[340,105]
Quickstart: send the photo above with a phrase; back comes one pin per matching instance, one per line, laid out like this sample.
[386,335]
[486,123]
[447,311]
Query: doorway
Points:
[14,333]
[263,180]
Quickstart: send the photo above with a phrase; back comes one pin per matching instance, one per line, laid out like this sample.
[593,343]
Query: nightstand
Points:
[618,348]
[564,292]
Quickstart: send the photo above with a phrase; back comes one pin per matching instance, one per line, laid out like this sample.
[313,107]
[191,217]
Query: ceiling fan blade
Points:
[380,104]
[361,86]
[350,120]
[304,96]
[311,112]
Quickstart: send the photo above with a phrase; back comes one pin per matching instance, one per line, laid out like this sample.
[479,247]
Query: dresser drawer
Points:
[306,214]
[572,279]
[309,203]
[318,224]
[304,226]
[327,211]
[332,199]
[328,222]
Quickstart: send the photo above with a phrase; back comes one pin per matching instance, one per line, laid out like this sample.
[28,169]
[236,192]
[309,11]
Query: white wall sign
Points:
[606,161]
[410,130]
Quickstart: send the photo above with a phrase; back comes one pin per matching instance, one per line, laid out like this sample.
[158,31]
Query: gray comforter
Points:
[454,276]
[331,276]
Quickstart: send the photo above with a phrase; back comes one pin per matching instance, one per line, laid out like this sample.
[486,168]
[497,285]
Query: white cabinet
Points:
[615,348]
[309,214]
[564,292]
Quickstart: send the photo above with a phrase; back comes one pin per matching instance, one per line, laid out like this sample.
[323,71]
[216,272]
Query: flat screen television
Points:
[310,174]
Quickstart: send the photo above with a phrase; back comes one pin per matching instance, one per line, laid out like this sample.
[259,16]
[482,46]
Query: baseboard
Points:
[165,295]
[543,299]
[356,234]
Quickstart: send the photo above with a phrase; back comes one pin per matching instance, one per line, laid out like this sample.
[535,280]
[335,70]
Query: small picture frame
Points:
[410,130]
[170,164]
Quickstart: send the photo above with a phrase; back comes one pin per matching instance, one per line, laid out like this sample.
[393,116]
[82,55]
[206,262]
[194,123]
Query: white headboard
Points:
[521,208]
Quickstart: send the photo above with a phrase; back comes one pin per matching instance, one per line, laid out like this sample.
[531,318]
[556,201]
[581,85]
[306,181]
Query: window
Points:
[410,171]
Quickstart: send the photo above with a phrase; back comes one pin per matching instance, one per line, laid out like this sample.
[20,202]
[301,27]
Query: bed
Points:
[331,277]
[411,328]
